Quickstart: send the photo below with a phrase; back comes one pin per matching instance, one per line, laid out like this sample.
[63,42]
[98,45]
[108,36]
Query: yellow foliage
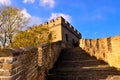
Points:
[34,36]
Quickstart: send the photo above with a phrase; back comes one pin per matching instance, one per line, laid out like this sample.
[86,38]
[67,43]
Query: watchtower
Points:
[63,30]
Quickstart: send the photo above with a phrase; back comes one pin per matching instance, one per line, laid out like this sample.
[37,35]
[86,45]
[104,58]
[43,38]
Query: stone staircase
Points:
[76,64]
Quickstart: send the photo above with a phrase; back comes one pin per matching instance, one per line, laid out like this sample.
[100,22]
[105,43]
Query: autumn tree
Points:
[12,21]
[34,36]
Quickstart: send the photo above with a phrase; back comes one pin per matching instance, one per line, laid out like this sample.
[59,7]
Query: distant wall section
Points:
[107,49]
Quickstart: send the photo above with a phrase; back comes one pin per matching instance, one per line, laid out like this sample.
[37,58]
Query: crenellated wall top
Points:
[61,21]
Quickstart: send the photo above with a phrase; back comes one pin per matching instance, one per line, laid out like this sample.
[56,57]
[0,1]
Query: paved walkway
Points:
[76,64]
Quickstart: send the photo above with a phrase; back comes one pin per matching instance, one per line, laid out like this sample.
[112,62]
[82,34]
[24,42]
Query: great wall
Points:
[107,49]
[96,59]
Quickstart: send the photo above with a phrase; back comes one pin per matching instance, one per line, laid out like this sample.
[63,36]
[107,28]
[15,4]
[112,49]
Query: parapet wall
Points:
[107,49]
[18,64]
[29,63]
[49,54]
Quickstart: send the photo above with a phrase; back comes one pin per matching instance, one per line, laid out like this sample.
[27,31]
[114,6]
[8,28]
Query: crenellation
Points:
[41,25]
[75,30]
[71,26]
[52,23]
[52,20]
[106,49]
[78,33]
[46,24]
[60,18]
[67,23]
[109,44]
[60,21]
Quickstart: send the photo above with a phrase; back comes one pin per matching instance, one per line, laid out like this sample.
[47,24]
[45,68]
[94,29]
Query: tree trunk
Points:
[4,40]
[10,42]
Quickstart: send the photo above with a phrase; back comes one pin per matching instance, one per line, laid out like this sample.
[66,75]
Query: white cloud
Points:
[25,13]
[49,3]
[55,15]
[28,1]
[33,19]
[5,2]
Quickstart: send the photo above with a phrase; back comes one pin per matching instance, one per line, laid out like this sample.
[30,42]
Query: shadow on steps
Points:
[76,64]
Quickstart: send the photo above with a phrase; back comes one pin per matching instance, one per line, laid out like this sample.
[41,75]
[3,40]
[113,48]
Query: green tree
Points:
[12,21]
[33,37]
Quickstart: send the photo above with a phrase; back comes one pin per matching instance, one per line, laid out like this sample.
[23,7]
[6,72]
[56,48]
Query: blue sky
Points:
[92,18]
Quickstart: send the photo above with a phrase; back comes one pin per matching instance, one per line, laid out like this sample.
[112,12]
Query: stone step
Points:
[80,63]
[76,64]
[81,69]
[75,57]
[61,77]
[83,77]
[85,72]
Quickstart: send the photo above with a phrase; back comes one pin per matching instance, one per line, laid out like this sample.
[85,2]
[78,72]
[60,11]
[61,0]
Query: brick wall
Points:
[49,54]
[29,63]
[18,64]
[107,49]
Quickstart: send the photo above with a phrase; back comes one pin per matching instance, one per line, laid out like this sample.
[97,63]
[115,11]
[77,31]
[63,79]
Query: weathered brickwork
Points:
[18,64]
[107,49]
[29,63]
[50,54]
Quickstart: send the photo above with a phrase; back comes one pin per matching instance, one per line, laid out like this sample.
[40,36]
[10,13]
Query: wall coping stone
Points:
[16,52]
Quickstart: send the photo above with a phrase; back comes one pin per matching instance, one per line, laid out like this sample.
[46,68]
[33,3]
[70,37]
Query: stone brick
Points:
[2,60]
[1,65]
[9,60]
[5,79]
[7,66]
[5,73]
